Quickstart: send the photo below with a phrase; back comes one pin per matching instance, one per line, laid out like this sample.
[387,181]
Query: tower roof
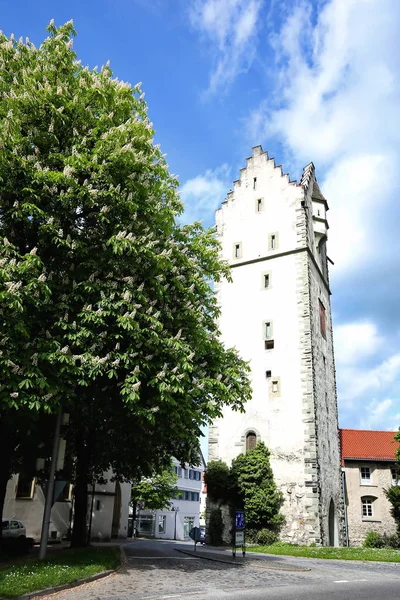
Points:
[308,178]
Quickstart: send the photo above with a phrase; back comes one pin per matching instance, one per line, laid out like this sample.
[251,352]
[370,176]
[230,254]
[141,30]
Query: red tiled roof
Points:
[368,445]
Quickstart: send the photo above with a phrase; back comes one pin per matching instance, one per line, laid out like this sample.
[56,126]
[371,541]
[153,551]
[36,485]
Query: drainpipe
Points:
[346,523]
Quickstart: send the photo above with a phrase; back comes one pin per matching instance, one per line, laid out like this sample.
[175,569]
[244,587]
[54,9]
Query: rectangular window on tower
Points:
[273,241]
[259,205]
[322,319]
[275,387]
[254,183]
[268,335]
[237,250]
[266,281]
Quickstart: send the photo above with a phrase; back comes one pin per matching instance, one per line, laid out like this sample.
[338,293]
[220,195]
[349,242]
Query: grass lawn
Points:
[65,567]
[378,554]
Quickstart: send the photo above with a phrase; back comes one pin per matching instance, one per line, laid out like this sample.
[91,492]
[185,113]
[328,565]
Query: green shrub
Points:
[216,527]
[251,536]
[374,539]
[391,541]
[266,537]
[393,495]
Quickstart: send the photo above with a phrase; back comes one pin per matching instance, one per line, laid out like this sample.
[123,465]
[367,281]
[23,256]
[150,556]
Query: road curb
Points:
[78,582]
[220,560]
[269,566]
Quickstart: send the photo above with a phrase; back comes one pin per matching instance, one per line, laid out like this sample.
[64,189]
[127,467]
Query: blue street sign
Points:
[239,519]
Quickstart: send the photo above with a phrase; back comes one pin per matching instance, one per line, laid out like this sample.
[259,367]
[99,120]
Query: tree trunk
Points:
[4,477]
[5,464]
[79,529]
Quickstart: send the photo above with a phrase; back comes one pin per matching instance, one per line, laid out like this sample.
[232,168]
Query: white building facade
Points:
[183,514]
[277,313]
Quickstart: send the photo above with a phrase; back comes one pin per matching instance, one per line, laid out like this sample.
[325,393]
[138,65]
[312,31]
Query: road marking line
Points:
[350,581]
[161,557]
[174,596]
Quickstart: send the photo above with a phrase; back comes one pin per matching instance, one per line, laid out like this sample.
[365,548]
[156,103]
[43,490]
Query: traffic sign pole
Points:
[239,533]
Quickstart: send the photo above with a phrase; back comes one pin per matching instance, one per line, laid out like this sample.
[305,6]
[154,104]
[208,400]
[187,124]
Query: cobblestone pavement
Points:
[169,573]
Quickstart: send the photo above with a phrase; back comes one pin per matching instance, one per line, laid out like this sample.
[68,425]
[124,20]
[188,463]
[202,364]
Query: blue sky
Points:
[309,81]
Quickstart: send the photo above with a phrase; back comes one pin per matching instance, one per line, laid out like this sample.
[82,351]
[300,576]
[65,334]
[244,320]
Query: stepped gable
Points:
[258,151]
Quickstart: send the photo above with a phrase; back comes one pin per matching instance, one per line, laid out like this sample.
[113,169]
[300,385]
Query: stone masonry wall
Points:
[327,434]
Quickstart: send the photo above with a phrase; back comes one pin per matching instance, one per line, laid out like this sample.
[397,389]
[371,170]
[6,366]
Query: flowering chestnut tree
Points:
[120,320]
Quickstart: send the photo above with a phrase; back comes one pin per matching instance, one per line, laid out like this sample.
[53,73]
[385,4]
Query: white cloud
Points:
[203,194]
[355,382]
[356,341]
[231,27]
[376,415]
[337,101]
[357,189]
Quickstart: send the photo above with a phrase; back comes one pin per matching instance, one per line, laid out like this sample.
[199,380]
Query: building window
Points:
[98,504]
[395,476]
[161,523]
[365,475]
[268,335]
[251,440]
[366,505]
[254,183]
[25,487]
[273,241]
[267,374]
[266,281]
[188,524]
[259,205]
[237,250]
[275,387]
[322,319]
[66,494]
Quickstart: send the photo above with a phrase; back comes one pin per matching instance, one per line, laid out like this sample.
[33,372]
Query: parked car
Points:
[12,528]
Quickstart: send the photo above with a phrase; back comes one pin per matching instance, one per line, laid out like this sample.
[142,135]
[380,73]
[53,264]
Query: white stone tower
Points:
[277,313]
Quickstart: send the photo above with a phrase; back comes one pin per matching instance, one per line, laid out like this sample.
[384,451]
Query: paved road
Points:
[156,571]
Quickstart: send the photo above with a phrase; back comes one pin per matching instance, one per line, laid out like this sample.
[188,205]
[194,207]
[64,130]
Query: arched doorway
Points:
[116,511]
[251,440]
[333,527]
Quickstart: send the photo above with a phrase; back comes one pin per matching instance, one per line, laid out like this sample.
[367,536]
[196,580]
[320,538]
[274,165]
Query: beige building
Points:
[276,311]
[108,508]
[368,465]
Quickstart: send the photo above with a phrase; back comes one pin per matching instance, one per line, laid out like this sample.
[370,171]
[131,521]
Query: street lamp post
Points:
[175,509]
